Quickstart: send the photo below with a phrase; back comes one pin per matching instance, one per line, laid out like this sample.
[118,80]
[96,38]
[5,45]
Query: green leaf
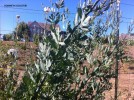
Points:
[85,70]
[54,37]
[26,80]
[82,85]
[48,64]
[79,10]
[31,76]
[42,65]
[78,80]
[37,67]
[50,21]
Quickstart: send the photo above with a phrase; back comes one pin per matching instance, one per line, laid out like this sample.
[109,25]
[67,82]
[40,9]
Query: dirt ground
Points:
[26,54]
[126,79]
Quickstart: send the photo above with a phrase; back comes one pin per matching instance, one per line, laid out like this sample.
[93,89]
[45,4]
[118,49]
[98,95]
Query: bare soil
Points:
[26,53]
[126,78]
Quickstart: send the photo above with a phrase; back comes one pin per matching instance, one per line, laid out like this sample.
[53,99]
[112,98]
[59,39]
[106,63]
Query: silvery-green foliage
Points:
[78,67]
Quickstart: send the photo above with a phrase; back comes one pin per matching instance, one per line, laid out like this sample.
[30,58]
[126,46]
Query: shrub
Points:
[36,39]
[72,69]
[7,37]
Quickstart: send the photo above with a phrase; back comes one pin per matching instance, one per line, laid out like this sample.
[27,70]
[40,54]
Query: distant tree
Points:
[7,37]
[22,31]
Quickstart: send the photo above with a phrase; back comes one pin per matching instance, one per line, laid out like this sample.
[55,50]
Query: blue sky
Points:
[8,15]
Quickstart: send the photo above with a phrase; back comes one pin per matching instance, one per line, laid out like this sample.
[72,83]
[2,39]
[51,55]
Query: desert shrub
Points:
[77,67]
